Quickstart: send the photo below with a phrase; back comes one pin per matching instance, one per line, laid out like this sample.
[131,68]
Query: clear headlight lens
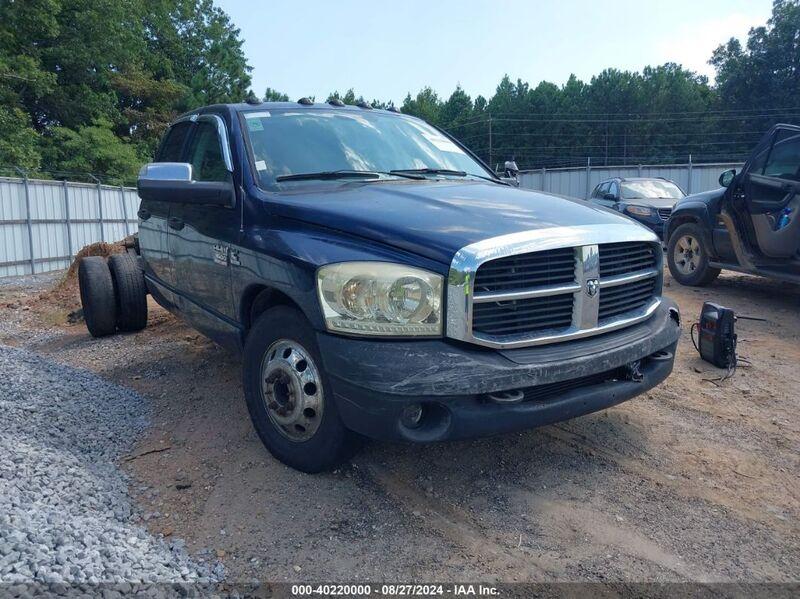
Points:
[639,210]
[380,298]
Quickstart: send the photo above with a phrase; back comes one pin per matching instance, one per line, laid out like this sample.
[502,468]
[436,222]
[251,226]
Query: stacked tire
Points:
[113,294]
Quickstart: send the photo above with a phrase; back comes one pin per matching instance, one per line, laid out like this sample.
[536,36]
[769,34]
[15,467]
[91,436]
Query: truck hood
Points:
[435,218]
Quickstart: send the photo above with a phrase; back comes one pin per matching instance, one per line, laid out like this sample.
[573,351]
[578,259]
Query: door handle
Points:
[175,223]
[144,213]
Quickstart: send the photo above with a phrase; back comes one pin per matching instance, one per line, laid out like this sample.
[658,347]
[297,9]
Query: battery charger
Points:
[716,340]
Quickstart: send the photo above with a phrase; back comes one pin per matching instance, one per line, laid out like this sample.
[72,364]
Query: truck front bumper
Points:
[467,391]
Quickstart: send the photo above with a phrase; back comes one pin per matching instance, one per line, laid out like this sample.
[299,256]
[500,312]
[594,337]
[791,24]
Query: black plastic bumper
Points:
[373,381]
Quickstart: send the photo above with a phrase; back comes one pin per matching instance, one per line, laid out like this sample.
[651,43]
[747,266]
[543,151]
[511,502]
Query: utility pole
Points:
[491,157]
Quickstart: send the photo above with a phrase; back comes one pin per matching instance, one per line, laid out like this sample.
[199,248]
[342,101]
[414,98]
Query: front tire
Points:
[288,395]
[688,257]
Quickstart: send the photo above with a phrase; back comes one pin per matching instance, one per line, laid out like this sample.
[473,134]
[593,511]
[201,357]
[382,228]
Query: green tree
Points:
[426,105]
[767,71]
[273,95]
[111,71]
[93,149]
[19,142]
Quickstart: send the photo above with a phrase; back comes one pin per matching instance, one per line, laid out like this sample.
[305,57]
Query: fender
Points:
[700,208]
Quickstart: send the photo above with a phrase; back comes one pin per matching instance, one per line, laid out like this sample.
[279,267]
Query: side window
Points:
[596,192]
[614,189]
[603,189]
[205,154]
[171,146]
[784,159]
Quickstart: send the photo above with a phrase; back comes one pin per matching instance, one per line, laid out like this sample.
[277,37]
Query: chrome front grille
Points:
[664,213]
[532,314]
[625,298]
[505,298]
[621,258]
[527,270]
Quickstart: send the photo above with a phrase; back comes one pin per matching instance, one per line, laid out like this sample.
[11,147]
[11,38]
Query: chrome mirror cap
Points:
[166,171]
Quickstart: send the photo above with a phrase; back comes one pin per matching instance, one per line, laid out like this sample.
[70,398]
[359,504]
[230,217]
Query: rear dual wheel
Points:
[130,291]
[113,294]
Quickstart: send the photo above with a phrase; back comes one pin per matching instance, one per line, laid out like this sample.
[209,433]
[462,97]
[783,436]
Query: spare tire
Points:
[130,292]
[97,296]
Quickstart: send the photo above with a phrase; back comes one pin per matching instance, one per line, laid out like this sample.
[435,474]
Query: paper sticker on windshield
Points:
[256,115]
[261,165]
[442,143]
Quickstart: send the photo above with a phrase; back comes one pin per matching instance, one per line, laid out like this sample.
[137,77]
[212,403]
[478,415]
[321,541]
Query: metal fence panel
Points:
[44,223]
[579,182]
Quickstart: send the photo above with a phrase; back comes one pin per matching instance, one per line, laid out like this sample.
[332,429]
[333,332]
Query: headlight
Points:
[379,298]
[639,210]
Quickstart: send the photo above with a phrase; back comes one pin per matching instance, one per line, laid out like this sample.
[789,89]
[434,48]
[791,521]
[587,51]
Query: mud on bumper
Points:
[461,387]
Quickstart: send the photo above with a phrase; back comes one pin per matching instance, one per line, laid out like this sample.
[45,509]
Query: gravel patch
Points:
[65,511]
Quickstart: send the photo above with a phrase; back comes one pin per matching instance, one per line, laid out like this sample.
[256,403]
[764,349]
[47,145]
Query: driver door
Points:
[201,236]
[771,188]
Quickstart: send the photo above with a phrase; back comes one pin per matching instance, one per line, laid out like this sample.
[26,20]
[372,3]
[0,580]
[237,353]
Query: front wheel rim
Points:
[291,390]
[687,254]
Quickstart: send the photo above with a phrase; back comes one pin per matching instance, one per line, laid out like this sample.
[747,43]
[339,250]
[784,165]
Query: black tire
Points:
[97,296]
[130,291]
[330,443]
[690,267]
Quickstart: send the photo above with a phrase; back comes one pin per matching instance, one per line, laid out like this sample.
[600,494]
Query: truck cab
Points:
[380,281]
[750,224]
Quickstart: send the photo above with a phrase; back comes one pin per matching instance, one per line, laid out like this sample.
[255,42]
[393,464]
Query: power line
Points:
[638,121]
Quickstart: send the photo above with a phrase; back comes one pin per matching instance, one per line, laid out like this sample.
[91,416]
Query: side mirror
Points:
[609,196]
[172,182]
[511,169]
[726,178]
[510,173]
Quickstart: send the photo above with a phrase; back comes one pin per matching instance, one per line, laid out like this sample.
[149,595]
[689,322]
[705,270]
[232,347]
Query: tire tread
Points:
[97,296]
[131,292]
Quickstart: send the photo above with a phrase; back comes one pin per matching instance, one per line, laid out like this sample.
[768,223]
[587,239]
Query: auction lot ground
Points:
[695,480]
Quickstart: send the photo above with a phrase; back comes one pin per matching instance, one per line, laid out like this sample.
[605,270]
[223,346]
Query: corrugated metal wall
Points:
[692,178]
[44,223]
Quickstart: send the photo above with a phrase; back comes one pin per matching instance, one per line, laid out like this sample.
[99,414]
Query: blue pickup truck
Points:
[380,281]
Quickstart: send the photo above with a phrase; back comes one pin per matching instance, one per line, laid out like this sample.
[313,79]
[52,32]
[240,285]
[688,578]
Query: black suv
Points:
[749,225]
[648,200]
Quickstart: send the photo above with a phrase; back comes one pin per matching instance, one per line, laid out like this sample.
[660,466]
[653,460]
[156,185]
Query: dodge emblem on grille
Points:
[592,287]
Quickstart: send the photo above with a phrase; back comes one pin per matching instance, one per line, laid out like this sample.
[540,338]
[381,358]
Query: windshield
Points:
[295,142]
[650,189]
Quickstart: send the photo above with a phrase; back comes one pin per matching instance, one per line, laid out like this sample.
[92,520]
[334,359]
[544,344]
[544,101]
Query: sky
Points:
[385,50]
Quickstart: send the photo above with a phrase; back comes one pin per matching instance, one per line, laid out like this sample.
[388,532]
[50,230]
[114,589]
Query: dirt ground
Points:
[696,480]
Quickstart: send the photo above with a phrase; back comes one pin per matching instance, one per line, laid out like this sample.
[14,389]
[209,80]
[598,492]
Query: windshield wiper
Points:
[428,171]
[443,171]
[343,174]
